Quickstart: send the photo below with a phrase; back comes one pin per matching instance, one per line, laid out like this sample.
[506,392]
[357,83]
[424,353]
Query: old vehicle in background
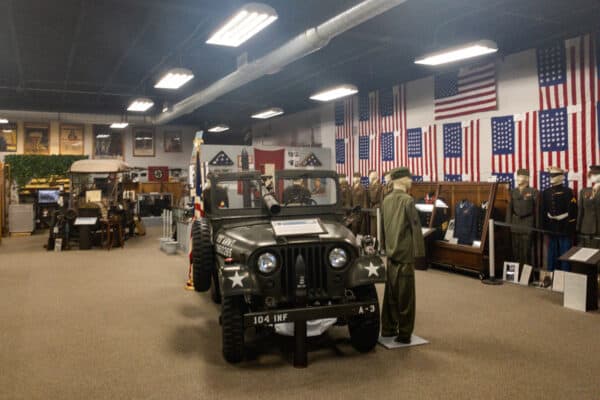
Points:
[273,252]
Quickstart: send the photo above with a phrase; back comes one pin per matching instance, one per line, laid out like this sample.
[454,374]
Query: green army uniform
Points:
[403,243]
[375,196]
[346,195]
[522,211]
[588,219]
[359,198]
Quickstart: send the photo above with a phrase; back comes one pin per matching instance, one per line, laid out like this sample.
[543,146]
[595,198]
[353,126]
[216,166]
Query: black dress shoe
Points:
[402,340]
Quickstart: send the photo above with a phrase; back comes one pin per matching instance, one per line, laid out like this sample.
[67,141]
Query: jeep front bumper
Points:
[264,318]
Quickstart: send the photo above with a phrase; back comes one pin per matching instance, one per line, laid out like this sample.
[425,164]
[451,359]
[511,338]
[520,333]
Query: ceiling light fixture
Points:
[140,105]
[175,78]
[247,22]
[335,93]
[3,121]
[219,128]
[119,125]
[458,53]
[269,113]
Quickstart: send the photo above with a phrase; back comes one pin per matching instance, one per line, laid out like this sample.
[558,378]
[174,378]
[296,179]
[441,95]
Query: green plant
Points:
[25,167]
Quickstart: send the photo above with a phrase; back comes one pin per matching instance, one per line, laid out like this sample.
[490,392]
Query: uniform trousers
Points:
[398,314]
[557,246]
[521,247]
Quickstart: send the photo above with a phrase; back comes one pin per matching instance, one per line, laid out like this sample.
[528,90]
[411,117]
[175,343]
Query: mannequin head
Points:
[356,179]
[594,174]
[557,176]
[522,178]
[401,178]
[373,177]
[343,179]
[298,182]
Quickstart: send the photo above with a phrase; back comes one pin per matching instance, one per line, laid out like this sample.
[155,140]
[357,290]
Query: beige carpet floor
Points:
[118,325]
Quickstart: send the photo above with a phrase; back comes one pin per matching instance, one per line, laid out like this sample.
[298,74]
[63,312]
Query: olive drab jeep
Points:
[274,250]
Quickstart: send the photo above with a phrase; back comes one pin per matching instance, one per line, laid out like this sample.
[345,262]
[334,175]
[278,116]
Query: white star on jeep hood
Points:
[236,280]
[372,269]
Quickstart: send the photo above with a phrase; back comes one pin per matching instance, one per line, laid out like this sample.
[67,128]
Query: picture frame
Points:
[107,144]
[143,142]
[71,139]
[173,141]
[510,272]
[37,138]
[8,138]
[526,275]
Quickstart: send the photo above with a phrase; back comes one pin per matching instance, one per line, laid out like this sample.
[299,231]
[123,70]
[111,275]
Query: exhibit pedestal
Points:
[588,267]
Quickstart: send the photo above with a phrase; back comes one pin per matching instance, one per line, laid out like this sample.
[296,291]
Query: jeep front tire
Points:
[364,329]
[232,319]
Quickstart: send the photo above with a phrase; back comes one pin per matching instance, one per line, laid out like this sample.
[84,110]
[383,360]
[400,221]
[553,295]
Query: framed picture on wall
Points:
[173,142]
[37,138]
[143,142]
[8,138]
[107,143]
[71,140]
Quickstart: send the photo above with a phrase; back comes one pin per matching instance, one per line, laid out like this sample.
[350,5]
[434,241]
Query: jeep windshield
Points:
[234,193]
[306,191]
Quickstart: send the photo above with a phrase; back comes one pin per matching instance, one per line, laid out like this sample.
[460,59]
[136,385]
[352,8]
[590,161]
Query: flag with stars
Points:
[461,151]
[392,112]
[465,91]
[505,178]
[311,160]
[422,151]
[368,136]
[545,180]
[344,139]
[221,160]
[503,144]
[567,73]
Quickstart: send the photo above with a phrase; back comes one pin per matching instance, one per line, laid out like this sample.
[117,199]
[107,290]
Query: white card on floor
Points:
[525,274]
[558,281]
[390,342]
[575,291]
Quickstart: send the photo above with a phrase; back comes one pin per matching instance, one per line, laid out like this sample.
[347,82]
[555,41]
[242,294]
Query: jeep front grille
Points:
[315,259]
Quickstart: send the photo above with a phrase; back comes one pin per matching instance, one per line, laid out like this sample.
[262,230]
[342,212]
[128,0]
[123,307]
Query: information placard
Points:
[295,227]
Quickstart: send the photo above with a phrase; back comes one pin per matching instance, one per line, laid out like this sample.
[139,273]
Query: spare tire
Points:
[203,258]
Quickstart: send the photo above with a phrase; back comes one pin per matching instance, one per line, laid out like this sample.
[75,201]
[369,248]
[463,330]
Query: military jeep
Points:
[274,250]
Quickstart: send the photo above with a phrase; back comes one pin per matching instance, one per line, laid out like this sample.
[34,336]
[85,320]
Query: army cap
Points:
[522,172]
[357,175]
[402,172]
[342,175]
[555,171]
[594,169]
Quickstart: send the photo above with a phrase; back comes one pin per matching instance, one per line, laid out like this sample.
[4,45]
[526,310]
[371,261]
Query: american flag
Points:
[344,140]
[422,151]
[466,91]
[545,180]
[461,151]
[221,160]
[567,73]
[503,145]
[368,134]
[392,110]
[311,160]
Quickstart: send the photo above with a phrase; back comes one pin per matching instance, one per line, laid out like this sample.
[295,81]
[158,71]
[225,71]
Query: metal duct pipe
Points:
[302,45]
[72,117]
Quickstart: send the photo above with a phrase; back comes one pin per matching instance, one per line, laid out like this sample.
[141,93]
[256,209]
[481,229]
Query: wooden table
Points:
[588,268]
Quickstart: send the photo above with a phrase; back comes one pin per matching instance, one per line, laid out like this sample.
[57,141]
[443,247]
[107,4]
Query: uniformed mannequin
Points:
[345,192]
[522,210]
[588,219]
[388,187]
[359,199]
[403,244]
[296,193]
[558,214]
[375,197]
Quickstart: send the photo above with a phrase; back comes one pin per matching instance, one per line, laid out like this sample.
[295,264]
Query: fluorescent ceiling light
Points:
[219,128]
[247,22]
[119,125]
[335,93]
[459,53]
[270,113]
[3,121]
[140,105]
[175,78]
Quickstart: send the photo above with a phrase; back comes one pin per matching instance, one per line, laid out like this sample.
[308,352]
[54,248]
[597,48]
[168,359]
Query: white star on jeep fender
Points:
[372,269]
[236,280]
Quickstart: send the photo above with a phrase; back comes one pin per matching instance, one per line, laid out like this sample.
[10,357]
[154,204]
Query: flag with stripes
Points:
[344,140]
[503,145]
[466,91]
[567,73]
[421,153]
[461,151]
[369,157]
[392,110]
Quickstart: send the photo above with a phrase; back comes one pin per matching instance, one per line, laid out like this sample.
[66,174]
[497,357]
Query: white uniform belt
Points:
[558,217]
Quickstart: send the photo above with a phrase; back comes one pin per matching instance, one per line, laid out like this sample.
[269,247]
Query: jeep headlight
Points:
[338,257]
[267,262]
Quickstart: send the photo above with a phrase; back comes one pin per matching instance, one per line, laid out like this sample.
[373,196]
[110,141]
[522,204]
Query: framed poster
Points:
[173,142]
[510,272]
[107,143]
[143,142]
[8,138]
[71,140]
[37,138]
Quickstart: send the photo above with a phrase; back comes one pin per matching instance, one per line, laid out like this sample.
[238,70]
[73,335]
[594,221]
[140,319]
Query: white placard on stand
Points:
[558,281]
[575,291]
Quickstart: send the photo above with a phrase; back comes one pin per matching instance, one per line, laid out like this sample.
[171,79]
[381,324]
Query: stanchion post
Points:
[491,280]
